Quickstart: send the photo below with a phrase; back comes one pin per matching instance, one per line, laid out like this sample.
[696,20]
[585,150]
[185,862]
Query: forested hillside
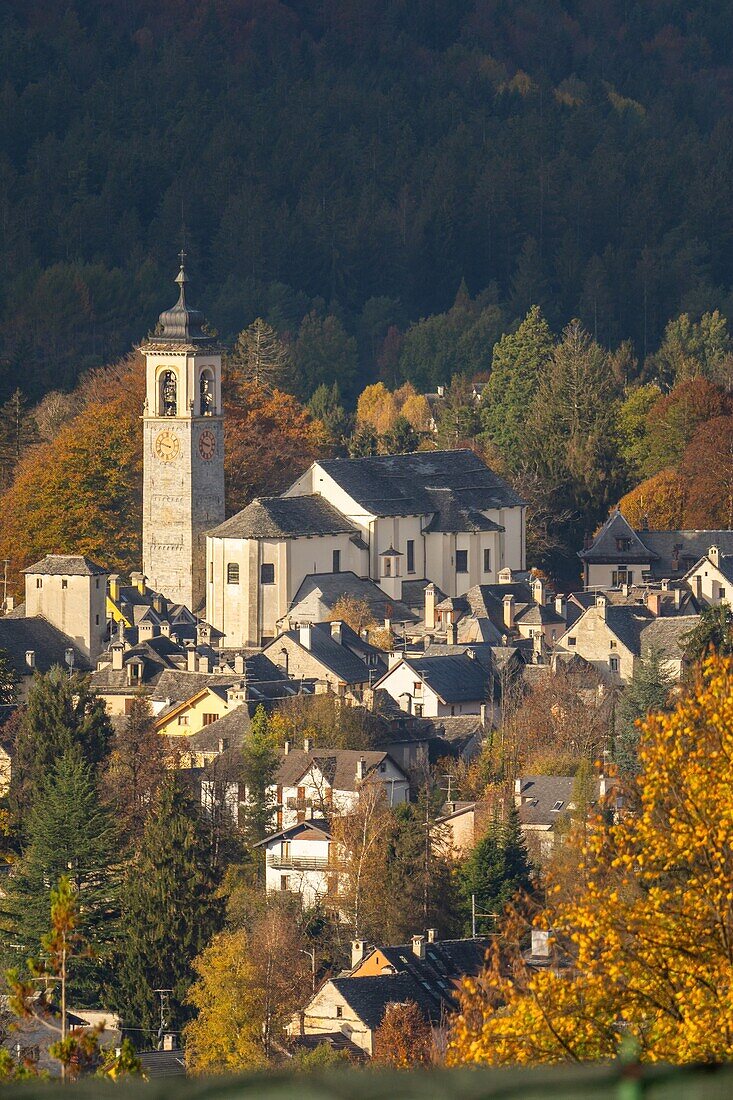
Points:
[351,162]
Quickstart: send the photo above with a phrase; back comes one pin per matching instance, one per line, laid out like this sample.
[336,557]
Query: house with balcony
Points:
[300,860]
[323,782]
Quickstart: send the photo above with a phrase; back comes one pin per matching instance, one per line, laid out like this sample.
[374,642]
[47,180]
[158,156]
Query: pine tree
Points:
[135,769]
[169,916]
[62,714]
[518,362]
[647,693]
[261,355]
[402,439]
[8,684]
[69,833]
[325,405]
[17,432]
[496,869]
[260,761]
[713,633]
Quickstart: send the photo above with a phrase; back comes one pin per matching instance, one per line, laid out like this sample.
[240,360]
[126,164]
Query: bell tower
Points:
[183,451]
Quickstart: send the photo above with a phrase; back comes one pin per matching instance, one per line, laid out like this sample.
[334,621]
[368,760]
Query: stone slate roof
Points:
[315,825]
[369,996]
[338,766]
[454,678]
[66,565]
[669,553]
[285,517]
[156,654]
[413,594]
[231,728]
[451,515]
[342,659]
[604,548]
[404,485]
[539,615]
[48,643]
[319,593]
[666,634]
[544,792]
[162,1063]
[178,686]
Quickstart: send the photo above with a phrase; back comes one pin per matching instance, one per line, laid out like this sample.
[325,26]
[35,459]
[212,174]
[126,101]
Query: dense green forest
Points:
[351,162]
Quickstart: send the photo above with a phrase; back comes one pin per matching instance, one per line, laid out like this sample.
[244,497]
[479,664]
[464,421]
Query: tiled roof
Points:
[369,996]
[604,547]
[338,765]
[539,614]
[319,593]
[284,517]
[451,515]
[400,485]
[66,565]
[543,793]
[49,645]
[677,551]
[413,594]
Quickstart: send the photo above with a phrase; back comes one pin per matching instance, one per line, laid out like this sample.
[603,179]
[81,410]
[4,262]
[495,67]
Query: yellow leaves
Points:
[649,934]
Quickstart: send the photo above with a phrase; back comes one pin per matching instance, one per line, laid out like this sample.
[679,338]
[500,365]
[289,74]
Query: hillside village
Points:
[378,626]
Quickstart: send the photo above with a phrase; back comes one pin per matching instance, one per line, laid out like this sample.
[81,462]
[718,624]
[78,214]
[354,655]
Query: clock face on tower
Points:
[207,445]
[166,446]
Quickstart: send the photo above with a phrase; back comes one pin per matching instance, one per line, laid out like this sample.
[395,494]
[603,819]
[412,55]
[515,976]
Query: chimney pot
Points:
[191,657]
[430,606]
[432,935]
[30,658]
[286,747]
[418,946]
[239,665]
[714,555]
[114,586]
[358,947]
[452,634]
[305,635]
[204,665]
[118,650]
[307,744]
[540,943]
[360,769]
[336,631]
[509,612]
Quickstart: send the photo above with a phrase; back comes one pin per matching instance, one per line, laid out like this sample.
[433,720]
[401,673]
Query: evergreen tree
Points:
[496,869]
[402,439]
[323,352]
[17,432]
[457,415]
[260,761]
[8,684]
[262,356]
[62,715]
[647,693]
[325,405]
[519,359]
[69,833]
[169,916]
[364,443]
[713,633]
[135,769]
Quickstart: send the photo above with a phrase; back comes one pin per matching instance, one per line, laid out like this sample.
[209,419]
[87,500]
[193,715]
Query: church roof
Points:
[450,485]
[284,517]
[67,565]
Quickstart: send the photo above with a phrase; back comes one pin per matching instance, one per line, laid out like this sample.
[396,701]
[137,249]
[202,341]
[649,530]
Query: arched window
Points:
[168,393]
[207,393]
[233,573]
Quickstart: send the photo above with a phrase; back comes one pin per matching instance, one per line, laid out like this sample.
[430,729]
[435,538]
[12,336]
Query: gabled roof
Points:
[67,565]
[369,996]
[677,551]
[340,658]
[178,687]
[604,547]
[451,515]
[49,645]
[666,634]
[539,614]
[319,593]
[549,797]
[315,825]
[285,517]
[455,678]
[404,485]
[337,765]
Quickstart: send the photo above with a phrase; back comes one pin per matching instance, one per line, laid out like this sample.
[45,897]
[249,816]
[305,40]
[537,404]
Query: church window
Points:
[168,393]
[64,582]
[336,561]
[410,555]
[233,572]
[39,582]
[487,561]
[461,561]
[206,394]
[267,573]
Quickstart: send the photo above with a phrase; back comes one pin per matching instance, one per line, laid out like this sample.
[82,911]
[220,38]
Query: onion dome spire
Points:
[182,323]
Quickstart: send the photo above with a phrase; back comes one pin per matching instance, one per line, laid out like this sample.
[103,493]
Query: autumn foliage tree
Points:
[659,502]
[707,473]
[404,1039]
[649,932]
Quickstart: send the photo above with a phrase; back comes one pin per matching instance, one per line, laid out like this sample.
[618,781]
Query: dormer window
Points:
[558,806]
[623,545]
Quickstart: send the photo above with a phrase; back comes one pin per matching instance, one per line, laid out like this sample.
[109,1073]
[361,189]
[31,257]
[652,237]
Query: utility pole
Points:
[475,915]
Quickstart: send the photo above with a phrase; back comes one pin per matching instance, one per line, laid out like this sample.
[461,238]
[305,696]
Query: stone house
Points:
[441,515]
[70,592]
[442,685]
[330,652]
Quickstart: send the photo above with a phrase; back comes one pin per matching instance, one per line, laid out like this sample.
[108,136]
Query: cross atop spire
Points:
[182,256]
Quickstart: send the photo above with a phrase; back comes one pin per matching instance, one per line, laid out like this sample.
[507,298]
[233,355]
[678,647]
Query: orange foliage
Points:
[80,493]
[660,500]
[707,469]
[270,438]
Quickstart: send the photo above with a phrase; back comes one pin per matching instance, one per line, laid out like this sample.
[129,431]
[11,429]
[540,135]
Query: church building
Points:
[183,451]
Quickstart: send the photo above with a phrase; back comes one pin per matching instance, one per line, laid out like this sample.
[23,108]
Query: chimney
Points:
[483,714]
[665,584]
[114,586]
[624,589]
[509,612]
[10,603]
[307,744]
[560,606]
[418,946]
[470,652]
[336,632]
[239,665]
[118,649]
[697,586]
[204,664]
[138,579]
[452,634]
[169,1041]
[305,635]
[190,657]
[441,391]
[714,555]
[430,606]
[360,770]
[538,590]
[601,604]
[286,748]
[30,658]
[146,630]
[517,791]
[165,628]
[358,947]
[388,625]
[654,603]
[432,935]
[677,599]
[540,944]
[158,603]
